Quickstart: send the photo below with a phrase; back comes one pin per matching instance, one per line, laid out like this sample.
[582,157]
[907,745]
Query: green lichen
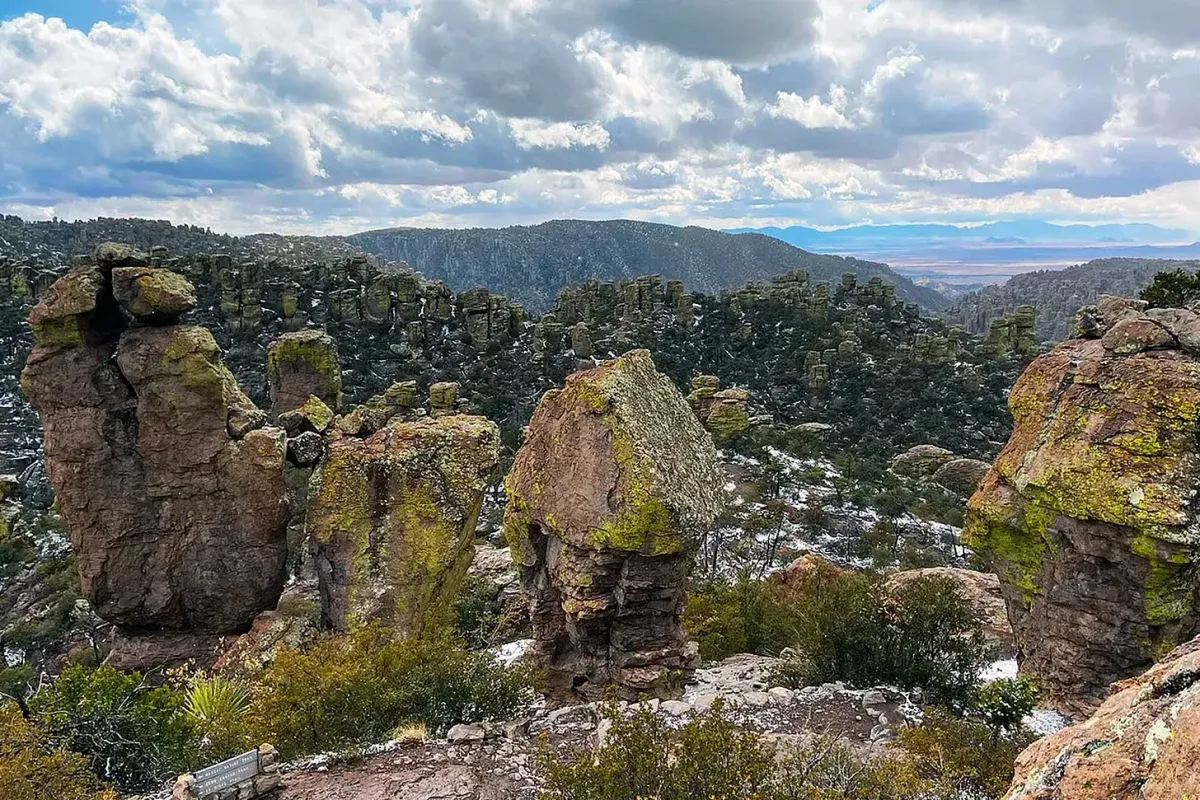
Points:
[62,332]
[727,420]
[642,522]
[1170,579]
[306,351]
[1015,540]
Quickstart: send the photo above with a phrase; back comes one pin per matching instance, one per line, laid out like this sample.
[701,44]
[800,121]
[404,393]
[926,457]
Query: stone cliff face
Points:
[393,520]
[1141,744]
[607,498]
[169,483]
[1088,514]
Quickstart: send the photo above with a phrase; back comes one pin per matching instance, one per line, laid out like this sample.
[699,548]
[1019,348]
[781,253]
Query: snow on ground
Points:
[509,654]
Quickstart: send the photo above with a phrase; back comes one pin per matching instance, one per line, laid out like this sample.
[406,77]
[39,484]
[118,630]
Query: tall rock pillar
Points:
[608,497]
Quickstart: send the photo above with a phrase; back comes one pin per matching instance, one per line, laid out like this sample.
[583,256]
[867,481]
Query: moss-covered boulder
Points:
[393,519]
[1088,514]
[607,497]
[152,295]
[300,365]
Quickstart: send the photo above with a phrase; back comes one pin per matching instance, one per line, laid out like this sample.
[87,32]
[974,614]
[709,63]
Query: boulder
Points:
[1088,518]
[300,365]
[1142,743]
[961,475]
[442,398]
[921,461]
[982,593]
[151,295]
[1135,334]
[170,488]
[608,497]
[393,518]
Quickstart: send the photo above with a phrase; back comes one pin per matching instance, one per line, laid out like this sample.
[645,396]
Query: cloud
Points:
[339,114]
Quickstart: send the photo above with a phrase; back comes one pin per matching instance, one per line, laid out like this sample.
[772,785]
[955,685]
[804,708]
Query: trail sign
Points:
[230,772]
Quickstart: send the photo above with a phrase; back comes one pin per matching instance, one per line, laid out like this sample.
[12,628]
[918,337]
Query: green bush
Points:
[1172,289]
[32,767]
[217,708]
[747,616]
[353,690]
[925,635]
[1003,704]
[962,758]
[643,757]
[131,733]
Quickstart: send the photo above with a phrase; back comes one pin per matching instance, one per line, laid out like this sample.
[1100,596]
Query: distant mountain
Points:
[1058,294]
[531,264]
[863,237]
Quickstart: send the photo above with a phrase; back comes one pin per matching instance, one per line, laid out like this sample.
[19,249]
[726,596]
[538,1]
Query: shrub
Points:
[643,757]
[1172,289]
[132,734]
[352,690]
[33,768]
[747,616]
[960,757]
[1003,704]
[850,629]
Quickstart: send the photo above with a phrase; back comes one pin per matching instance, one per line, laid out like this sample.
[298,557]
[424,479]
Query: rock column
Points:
[608,497]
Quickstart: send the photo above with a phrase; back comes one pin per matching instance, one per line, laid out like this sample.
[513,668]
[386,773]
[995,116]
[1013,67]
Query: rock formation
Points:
[1141,744]
[1088,514]
[723,411]
[169,483]
[301,365]
[393,519]
[607,498]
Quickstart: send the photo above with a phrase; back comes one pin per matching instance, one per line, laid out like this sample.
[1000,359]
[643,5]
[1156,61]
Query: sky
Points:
[330,116]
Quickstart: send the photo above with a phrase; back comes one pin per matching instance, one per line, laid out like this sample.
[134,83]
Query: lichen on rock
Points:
[1087,514]
[171,488]
[608,495]
[303,364]
[393,519]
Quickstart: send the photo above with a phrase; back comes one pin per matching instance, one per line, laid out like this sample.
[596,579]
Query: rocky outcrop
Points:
[961,475]
[1087,515]
[723,411]
[169,483]
[607,498]
[1141,744]
[921,461]
[301,365]
[393,519]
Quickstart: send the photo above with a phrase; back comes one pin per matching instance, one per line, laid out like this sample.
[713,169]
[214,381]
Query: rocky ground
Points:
[494,762]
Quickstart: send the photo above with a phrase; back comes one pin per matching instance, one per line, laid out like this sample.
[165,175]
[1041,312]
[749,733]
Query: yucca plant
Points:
[216,707]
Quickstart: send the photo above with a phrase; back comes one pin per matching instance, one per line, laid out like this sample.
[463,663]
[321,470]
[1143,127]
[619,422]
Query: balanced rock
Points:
[608,496]
[152,295]
[1088,514]
[300,365]
[393,517]
[171,488]
[1141,744]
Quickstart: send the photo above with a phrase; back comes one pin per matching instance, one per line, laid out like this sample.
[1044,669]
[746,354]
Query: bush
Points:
[353,690]
[960,757]
[643,757]
[1172,289]
[132,734]
[747,616]
[33,768]
[925,635]
[710,757]
[1003,704]
[217,708]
